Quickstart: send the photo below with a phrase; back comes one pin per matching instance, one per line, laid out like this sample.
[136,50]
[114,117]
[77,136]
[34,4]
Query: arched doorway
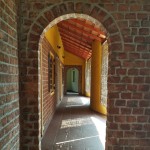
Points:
[70,73]
[72,81]
[77,77]
[37,30]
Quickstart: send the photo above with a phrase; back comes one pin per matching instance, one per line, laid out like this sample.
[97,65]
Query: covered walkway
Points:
[75,127]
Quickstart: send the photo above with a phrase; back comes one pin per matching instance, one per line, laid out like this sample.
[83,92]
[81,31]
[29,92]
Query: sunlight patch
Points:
[75,122]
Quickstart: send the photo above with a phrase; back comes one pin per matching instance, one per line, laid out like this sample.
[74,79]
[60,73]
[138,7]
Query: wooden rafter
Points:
[75,53]
[80,30]
[76,47]
[77,44]
[102,35]
[74,34]
[79,54]
[75,40]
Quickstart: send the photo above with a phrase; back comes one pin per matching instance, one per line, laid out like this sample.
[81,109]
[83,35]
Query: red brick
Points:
[120,103]
[131,119]
[142,47]
[122,56]
[121,71]
[79,6]
[118,16]
[135,7]
[146,8]
[125,111]
[148,64]
[142,118]
[139,39]
[114,79]
[129,134]
[115,64]
[55,11]
[144,142]
[134,23]
[111,7]
[125,126]
[129,47]
[129,26]
[144,31]
[42,21]
[123,7]
[140,134]
[48,15]
[144,103]
[132,87]
[101,15]
[138,111]
[38,6]
[87,8]
[132,103]
[133,72]
[120,119]
[114,95]
[123,24]
[134,55]
[138,79]
[109,22]
[62,8]
[143,88]
[113,126]
[147,111]
[142,16]
[126,80]
[137,95]
[130,16]
[145,72]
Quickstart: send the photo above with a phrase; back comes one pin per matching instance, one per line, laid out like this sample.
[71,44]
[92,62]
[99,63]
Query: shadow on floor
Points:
[75,127]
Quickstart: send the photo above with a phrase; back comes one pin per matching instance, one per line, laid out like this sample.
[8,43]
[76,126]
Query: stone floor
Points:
[75,127]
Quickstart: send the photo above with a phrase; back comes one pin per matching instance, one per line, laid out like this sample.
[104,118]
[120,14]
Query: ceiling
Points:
[77,36]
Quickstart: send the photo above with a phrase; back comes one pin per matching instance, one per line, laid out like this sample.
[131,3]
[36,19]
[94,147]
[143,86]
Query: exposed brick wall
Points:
[49,101]
[9,95]
[127,23]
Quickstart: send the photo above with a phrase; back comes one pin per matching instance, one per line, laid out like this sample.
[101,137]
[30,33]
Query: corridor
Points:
[75,127]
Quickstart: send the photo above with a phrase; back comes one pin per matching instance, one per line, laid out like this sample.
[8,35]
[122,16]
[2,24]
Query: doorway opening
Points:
[72,81]
[71,55]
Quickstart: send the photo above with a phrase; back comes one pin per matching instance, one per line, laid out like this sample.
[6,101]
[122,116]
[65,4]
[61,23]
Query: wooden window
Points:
[51,73]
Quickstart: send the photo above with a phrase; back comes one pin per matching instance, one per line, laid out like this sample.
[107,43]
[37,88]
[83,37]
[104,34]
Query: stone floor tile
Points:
[75,127]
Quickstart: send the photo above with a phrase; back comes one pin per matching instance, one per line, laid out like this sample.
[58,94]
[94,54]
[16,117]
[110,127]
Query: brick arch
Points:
[54,14]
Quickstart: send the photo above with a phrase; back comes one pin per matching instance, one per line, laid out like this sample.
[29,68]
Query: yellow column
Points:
[96,65]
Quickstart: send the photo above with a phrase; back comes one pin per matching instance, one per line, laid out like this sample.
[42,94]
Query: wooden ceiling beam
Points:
[77,44]
[63,35]
[78,53]
[73,46]
[74,34]
[82,31]
[102,35]
[75,53]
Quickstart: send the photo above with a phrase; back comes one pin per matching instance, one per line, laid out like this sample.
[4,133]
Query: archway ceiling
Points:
[77,36]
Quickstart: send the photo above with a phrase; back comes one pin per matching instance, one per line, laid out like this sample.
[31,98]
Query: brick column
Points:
[96,77]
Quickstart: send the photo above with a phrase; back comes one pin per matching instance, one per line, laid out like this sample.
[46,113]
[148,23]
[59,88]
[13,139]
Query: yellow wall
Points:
[54,38]
[71,59]
[96,66]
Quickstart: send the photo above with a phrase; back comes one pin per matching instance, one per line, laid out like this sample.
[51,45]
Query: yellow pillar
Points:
[96,66]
